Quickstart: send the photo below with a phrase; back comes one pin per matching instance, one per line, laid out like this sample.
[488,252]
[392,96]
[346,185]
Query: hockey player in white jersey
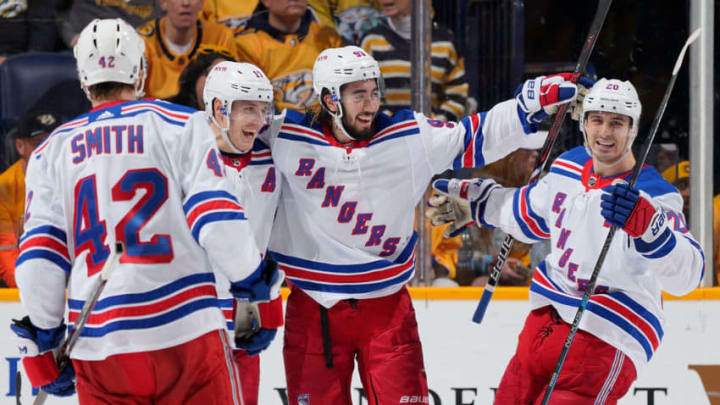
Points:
[344,228]
[584,193]
[145,173]
[238,99]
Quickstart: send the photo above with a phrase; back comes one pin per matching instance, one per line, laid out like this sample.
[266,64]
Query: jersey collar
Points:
[593,181]
[236,160]
[166,51]
[348,146]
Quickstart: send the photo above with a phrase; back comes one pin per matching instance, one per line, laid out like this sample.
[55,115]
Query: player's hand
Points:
[540,97]
[443,209]
[36,345]
[637,214]
[257,342]
[475,191]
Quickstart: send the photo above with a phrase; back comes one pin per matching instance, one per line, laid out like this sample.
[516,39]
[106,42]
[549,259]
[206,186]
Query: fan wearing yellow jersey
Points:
[284,42]
[173,40]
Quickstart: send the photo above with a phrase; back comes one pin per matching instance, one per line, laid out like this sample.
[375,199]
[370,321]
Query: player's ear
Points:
[217,109]
[328,102]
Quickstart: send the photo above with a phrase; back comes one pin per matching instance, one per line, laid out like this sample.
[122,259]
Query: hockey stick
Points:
[63,358]
[636,171]
[542,159]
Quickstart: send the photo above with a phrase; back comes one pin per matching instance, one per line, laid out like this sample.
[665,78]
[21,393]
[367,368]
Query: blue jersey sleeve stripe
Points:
[216,216]
[45,229]
[299,138]
[204,196]
[702,254]
[518,218]
[538,219]
[52,257]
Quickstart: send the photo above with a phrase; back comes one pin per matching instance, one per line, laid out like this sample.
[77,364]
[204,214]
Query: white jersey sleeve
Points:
[213,210]
[521,212]
[476,140]
[44,261]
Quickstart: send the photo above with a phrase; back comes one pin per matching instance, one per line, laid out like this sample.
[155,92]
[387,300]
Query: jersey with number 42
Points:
[146,173]
[344,227]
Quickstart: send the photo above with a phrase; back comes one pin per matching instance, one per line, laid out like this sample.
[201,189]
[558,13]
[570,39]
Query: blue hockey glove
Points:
[455,210]
[638,215]
[258,307]
[540,97]
[36,346]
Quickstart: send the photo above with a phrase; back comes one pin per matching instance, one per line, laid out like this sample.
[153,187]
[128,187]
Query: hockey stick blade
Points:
[601,12]
[611,234]
[63,358]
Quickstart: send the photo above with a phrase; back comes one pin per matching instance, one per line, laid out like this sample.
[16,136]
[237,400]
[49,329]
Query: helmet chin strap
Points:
[225,137]
[337,119]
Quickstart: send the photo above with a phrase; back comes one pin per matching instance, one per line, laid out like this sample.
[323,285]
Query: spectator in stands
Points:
[284,43]
[27,26]
[173,40]
[231,13]
[667,155]
[192,78]
[389,44]
[33,128]
[135,12]
[352,19]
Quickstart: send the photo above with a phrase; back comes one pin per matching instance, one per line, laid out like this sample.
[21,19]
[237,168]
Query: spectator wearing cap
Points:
[33,128]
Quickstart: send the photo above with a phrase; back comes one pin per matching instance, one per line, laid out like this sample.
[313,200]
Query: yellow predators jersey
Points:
[286,59]
[164,66]
[232,13]
[350,18]
[12,201]
[449,86]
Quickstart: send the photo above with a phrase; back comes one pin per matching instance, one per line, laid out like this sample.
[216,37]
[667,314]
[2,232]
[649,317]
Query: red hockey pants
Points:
[594,372]
[381,333]
[201,371]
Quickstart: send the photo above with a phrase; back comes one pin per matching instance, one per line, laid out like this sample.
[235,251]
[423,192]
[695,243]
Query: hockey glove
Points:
[443,209]
[36,346]
[637,214]
[258,308]
[476,191]
[540,97]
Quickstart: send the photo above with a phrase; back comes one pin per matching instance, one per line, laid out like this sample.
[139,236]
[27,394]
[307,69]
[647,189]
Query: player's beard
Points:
[363,135]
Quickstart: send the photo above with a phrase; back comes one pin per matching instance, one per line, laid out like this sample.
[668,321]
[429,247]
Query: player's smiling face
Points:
[608,135]
[361,101]
[246,120]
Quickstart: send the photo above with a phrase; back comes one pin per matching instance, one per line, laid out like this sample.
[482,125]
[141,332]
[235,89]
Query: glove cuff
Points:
[42,369]
[271,314]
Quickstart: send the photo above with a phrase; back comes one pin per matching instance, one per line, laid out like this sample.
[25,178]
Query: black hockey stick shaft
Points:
[63,358]
[608,240]
[542,159]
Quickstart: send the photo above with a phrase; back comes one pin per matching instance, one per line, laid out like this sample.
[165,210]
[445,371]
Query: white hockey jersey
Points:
[258,189]
[344,226]
[564,206]
[146,173]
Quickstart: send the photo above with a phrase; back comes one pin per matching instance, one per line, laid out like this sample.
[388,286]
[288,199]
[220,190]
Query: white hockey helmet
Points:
[110,51]
[615,96]
[231,81]
[335,67]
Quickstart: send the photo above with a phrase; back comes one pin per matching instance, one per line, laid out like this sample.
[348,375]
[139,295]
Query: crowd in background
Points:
[186,38]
